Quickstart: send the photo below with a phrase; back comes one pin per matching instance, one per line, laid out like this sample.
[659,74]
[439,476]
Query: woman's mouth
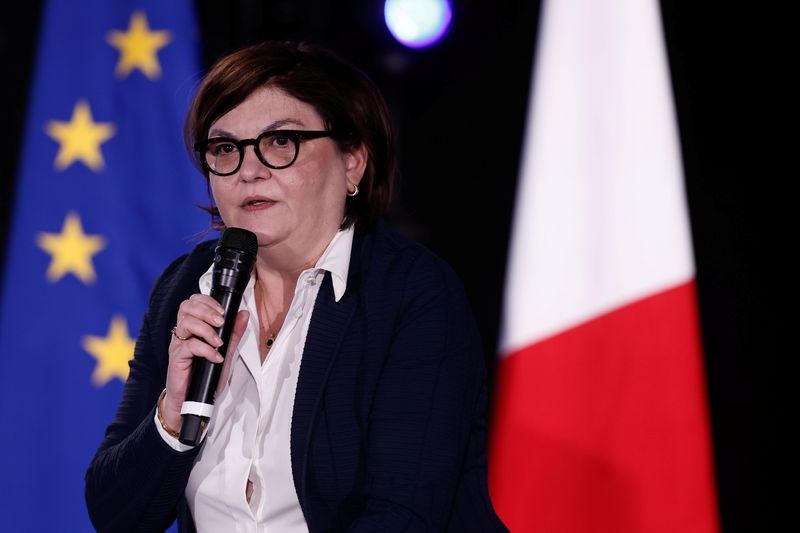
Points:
[256,203]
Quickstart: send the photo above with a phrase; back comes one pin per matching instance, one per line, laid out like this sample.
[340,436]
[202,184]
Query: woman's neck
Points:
[287,259]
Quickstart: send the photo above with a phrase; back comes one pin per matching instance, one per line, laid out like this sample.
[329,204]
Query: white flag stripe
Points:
[600,218]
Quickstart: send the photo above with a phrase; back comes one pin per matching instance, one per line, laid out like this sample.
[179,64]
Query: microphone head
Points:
[240,239]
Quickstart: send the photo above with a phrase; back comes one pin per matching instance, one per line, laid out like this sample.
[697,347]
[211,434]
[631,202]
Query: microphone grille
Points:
[239,238]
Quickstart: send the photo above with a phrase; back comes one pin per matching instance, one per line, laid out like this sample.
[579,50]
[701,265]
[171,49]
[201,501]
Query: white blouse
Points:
[248,434]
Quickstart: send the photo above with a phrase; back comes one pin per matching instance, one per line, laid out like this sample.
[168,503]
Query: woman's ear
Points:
[355,162]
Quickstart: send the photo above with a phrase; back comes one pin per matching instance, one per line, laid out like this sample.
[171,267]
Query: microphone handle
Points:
[199,402]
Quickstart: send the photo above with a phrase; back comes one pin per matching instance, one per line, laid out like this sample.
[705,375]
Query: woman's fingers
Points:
[194,335]
[196,347]
[199,317]
[203,307]
[193,326]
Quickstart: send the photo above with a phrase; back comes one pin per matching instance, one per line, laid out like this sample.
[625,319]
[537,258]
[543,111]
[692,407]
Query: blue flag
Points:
[106,197]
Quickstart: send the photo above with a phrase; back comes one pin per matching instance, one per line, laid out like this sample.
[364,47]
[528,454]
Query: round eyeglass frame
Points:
[296,136]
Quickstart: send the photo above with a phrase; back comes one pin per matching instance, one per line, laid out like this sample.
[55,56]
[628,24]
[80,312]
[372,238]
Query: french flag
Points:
[600,415]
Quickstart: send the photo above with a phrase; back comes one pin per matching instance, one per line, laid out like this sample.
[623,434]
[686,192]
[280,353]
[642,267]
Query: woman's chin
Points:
[265,234]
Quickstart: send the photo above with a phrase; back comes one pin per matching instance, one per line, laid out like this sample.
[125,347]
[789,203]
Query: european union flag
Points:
[106,197]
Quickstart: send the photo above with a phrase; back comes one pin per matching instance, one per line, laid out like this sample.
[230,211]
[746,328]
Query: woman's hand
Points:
[198,318]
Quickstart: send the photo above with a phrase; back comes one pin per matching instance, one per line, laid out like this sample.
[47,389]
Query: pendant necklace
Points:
[271,338]
[272,335]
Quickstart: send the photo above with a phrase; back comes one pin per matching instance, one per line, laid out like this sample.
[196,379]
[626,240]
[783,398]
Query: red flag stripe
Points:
[603,427]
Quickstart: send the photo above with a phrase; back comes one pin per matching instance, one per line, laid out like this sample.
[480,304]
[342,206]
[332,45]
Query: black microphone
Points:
[234,258]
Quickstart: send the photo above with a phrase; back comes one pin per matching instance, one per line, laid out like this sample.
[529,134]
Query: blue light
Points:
[418,23]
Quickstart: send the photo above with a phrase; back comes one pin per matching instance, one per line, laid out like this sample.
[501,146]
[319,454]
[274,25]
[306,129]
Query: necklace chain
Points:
[272,335]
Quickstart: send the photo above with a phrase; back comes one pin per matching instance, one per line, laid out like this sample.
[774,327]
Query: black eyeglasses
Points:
[275,149]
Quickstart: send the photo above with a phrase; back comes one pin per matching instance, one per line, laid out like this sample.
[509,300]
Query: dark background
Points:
[472,89]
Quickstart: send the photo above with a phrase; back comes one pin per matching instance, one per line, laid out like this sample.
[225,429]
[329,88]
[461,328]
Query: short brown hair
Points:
[346,99]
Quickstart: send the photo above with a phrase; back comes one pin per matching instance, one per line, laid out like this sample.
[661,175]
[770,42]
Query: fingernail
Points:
[219,321]
[220,358]
[217,340]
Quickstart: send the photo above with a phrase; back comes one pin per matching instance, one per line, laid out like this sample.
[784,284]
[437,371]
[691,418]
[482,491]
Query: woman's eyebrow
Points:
[216,132]
[278,124]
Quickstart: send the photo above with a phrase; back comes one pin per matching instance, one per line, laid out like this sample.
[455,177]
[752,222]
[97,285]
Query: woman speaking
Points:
[353,394]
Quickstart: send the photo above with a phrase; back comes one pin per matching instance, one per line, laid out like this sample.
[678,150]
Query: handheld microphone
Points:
[234,258]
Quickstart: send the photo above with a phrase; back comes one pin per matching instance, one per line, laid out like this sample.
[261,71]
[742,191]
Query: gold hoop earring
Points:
[351,194]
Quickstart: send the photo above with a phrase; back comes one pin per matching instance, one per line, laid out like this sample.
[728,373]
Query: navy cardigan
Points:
[389,421]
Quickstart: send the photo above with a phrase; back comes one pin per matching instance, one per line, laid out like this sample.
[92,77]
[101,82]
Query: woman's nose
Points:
[252,167]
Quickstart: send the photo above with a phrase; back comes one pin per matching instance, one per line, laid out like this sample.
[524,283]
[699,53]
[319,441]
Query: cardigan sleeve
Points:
[136,479]
[427,421]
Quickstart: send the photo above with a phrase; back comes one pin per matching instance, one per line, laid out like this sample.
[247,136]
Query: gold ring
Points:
[175,334]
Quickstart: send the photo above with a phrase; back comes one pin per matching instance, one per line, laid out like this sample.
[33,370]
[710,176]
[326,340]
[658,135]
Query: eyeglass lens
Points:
[276,149]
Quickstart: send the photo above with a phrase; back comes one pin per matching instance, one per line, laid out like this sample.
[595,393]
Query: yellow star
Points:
[138,47]
[112,352]
[72,250]
[80,138]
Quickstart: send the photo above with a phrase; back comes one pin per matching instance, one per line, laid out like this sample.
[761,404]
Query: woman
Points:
[354,394]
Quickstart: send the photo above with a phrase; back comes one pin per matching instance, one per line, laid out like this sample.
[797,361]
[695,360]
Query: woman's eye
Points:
[281,141]
[222,148]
